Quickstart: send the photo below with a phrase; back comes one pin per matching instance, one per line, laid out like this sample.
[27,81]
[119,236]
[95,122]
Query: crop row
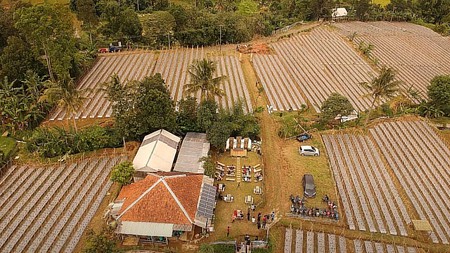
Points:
[49,208]
[421,170]
[173,66]
[311,242]
[368,194]
[417,53]
[96,105]
[313,65]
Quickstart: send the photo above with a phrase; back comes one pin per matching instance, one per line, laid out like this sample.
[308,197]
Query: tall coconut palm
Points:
[66,94]
[202,78]
[383,86]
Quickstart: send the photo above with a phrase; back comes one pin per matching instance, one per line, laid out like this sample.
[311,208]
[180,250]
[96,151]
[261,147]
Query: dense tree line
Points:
[38,51]
[208,22]
[144,106]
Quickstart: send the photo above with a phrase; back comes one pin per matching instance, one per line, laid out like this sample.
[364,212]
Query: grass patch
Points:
[224,248]
[224,210]
[382,2]
[7,147]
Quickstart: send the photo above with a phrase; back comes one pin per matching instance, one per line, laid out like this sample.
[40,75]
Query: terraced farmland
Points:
[313,65]
[416,52]
[173,66]
[48,209]
[297,241]
[96,105]
[370,199]
[420,161]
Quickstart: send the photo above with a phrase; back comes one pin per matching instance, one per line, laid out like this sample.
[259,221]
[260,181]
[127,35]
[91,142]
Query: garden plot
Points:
[96,105]
[370,199]
[313,65]
[298,241]
[416,52]
[420,161]
[48,209]
[172,65]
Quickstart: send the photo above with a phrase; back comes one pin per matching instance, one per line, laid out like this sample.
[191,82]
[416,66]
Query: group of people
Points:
[260,220]
[221,172]
[298,207]
[246,174]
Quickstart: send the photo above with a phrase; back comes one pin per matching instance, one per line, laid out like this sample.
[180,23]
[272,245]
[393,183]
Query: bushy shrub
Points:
[122,173]
[52,142]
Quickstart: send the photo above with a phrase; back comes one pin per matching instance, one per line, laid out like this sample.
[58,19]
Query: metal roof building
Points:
[194,147]
[157,152]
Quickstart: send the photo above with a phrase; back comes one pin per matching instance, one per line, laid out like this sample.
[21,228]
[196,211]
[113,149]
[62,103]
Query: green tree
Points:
[208,165]
[362,8]
[434,11]
[218,134]
[102,242]
[158,26]
[122,173]
[187,114]
[86,13]
[383,86]
[50,32]
[207,114]
[247,7]
[16,60]
[439,94]
[335,105]
[141,107]
[65,93]
[203,80]
[20,107]
[119,22]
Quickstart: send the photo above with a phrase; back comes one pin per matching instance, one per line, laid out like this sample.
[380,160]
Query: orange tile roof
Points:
[147,204]
[187,190]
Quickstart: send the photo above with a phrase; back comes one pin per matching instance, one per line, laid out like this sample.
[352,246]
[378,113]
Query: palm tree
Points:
[202,78]
[382,86]
[66,94]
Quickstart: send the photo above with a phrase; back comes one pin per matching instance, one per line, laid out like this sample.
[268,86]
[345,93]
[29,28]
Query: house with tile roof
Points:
[193,148]
[164,205]
[156,153]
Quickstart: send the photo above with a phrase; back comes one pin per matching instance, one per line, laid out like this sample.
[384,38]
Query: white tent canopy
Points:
[157,152]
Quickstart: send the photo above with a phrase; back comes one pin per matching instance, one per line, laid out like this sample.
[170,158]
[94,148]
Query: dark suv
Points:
[309,188]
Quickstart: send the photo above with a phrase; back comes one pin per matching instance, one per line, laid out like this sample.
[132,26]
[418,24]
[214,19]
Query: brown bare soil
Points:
[260,48]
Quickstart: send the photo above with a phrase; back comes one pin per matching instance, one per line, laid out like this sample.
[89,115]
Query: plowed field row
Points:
[422,170]
[48,209]
[173,66]
[370,199]
[416,52]
[298,241]
[313,65]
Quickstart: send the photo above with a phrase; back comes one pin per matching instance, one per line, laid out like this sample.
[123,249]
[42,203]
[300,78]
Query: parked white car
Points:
[308,151]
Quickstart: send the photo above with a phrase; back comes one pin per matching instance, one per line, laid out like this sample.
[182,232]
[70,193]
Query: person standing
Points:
[228,231]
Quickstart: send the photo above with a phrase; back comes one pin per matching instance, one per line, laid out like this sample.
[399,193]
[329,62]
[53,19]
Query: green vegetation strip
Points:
[7,147]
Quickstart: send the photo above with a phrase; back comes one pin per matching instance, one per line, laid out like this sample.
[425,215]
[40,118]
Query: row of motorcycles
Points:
[298,207]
